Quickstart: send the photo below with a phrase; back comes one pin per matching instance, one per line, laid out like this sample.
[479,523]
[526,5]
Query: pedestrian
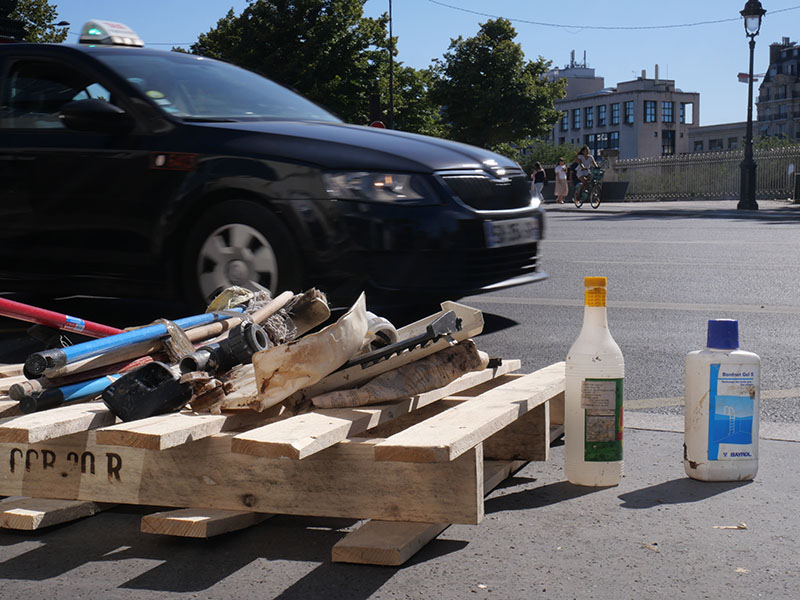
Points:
[572,174]
[539,177]
[585,162]
[562,187]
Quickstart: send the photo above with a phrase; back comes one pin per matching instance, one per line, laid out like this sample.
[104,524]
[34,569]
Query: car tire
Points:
[238,243]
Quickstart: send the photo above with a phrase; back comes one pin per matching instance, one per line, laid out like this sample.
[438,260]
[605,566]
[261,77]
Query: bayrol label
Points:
[732,400]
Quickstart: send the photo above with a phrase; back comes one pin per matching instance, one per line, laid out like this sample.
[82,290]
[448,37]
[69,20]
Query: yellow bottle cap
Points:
[595,293]
[594,282]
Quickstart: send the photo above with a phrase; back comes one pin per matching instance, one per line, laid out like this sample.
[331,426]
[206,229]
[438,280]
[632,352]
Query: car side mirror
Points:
[95,115]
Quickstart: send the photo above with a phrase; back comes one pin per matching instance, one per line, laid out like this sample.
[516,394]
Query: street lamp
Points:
[752,13]
[391,70]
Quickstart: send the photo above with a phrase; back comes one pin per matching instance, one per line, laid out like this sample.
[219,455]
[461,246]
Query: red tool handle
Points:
[49,318]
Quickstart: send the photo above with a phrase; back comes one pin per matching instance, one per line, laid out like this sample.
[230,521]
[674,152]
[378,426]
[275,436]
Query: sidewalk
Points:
[781,208]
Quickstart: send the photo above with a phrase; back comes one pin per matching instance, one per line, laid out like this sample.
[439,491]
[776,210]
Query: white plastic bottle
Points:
[593,399]
[721,407]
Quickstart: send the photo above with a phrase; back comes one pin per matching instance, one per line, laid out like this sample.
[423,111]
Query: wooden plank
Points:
[449,434]
[10,370]
[303,435]
[55,423]
[557,410]
[342,481]
[385,542]
[527,438]
[29,514]
[199,522]
[392,543]
[167,431]
[9,408]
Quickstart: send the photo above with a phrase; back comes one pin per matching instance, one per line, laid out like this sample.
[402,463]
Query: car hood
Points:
[342,146]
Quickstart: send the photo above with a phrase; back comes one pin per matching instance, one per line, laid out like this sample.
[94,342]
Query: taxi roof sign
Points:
[97,31]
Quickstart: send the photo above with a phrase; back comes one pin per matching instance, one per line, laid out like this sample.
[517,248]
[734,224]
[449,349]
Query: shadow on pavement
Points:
[677,491]
[528,498]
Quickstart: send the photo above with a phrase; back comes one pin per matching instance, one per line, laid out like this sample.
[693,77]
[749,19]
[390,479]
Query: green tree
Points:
[489,93]
[324,49]
[413,109]
[39,18]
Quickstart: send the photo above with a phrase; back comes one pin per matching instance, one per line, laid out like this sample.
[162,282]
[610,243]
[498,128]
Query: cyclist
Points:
[585,163]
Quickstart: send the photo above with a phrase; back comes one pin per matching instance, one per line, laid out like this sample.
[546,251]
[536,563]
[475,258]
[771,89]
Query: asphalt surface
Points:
[671,266]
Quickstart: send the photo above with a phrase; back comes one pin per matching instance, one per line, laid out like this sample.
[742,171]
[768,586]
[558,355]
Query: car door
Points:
[71,201]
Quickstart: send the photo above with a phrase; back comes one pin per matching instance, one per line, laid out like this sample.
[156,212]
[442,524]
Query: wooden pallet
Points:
[409,467]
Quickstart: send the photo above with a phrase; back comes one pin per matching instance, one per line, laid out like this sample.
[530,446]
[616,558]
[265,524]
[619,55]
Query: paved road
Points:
[671,266]
[657,535]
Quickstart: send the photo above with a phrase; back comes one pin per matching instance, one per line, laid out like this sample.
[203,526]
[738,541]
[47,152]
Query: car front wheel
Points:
[239,243]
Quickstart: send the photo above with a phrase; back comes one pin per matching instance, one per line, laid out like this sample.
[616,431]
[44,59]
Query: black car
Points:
[126,171]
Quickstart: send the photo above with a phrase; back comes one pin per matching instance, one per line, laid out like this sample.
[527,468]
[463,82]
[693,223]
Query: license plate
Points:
[511,232]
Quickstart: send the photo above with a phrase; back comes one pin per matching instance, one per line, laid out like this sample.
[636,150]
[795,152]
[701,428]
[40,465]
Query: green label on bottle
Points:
[601,400]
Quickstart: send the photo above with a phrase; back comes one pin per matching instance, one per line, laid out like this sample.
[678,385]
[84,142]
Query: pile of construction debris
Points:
[249,351]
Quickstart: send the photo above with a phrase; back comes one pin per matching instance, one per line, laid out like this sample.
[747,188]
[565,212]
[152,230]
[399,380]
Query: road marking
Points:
[746,308]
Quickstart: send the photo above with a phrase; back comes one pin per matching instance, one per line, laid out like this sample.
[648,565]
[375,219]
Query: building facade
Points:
[778,102]
[640,118]
[715,138]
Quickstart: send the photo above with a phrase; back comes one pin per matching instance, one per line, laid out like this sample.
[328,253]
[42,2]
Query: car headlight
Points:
[363,186]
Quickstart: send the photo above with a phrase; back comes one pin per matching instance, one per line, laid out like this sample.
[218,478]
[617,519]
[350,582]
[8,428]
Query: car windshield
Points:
[198,88]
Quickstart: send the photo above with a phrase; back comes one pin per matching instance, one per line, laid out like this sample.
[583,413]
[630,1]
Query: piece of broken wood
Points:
[429,373]
[282,370]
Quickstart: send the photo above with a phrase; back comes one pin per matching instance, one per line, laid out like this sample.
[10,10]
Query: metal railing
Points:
[707,174]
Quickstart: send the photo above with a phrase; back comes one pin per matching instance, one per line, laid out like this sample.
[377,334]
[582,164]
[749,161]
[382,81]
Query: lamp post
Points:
[391,70]
[752,13]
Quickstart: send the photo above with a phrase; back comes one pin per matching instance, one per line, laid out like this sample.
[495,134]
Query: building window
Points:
[629,111]
[589,117]
[667,112]
[576,118]
[733,143]
[715,144]
[565,121]
[649,111]
[687,112]
[668,142]
[562,140]
[698,145]
[613,140]
[615,113]
[601,115]
[597,142]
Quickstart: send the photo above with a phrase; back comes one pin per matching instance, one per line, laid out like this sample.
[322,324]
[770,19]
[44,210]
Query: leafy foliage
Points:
[324,49]
[489,93]
[39,19]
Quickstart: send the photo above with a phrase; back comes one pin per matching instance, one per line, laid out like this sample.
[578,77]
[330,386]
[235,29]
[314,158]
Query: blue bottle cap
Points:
[723,334]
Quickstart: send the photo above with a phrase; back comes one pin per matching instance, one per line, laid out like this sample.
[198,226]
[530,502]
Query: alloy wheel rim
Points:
[236,255]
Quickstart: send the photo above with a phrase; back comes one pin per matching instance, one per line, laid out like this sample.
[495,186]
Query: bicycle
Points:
[592,190]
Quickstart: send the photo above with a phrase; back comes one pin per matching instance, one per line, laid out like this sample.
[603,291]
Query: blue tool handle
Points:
[38,362]
[55,397]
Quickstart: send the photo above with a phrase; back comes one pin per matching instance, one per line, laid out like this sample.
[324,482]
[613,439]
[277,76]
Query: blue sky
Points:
[700,58]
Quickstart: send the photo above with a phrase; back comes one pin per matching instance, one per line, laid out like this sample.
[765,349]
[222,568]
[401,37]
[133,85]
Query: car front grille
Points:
[482,192]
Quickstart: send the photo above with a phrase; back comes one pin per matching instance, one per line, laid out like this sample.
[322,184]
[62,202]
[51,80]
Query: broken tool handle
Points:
[55,397]
[49,318]
[38,362]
